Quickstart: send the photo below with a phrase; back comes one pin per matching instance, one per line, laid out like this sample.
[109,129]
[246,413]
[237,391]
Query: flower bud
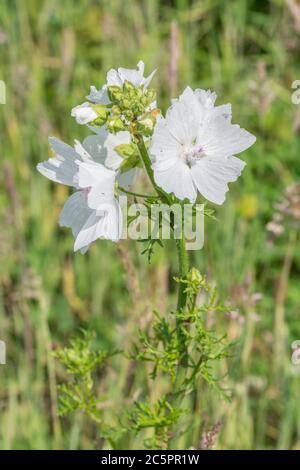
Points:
[125,103]
[115,125]
[84,113]
[99,121]
[195,275]
[101,110]
[128,114]
[144,100]
[114,93]
[146,124]
[138,108]
[116,110]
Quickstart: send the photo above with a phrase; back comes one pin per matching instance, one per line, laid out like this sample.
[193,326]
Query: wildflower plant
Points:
[187,154]
[81,361]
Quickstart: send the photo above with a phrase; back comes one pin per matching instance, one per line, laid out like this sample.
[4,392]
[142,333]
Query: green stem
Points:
[146,159]
[181,249]
[183,271]
[148,167]
[182,296]
[131,193]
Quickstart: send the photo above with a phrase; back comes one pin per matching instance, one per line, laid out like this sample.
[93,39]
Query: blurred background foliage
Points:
[50,53]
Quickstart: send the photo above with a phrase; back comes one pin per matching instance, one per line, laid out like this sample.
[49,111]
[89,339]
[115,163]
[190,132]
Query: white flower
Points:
[98,97]
[134,76]
[117,78]
[84,113]
[92,212]
[102,147]
[193,147]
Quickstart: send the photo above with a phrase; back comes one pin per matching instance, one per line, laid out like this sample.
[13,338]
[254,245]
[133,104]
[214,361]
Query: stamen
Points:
[192,154]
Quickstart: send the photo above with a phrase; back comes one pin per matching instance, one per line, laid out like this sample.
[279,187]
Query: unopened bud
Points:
[138,108]
[116,110]
[125,103]
[128,114]
[144,100]
[115,125]
[146,124]
[101,110]
[114,93]
[195,275]
[98,122]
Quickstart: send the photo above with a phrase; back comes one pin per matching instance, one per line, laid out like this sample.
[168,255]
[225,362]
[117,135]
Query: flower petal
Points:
[206,98]
[84,113]
[164,146]
[136,77]
[212,175]
[220,138]
[201,105]
[113,223]
[98,180]
[94,146]
[113,78]
[183,120]
[113,159]
[176,179]
[88,232]
[107,225]
[62,168]
[75,214]
[147,80]
[98,96]
[80,150]
[102,148]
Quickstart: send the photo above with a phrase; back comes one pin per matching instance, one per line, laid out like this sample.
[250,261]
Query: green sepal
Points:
[126,150]
[130,156]
[103,114]
[128,87]
[98,122]
[130,163]
[115,125]
[146,124]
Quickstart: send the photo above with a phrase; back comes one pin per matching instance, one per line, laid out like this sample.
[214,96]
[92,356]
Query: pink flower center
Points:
[191,155]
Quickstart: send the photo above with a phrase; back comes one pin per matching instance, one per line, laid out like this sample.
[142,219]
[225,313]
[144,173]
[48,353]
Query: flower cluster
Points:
[124,103]
[191,150]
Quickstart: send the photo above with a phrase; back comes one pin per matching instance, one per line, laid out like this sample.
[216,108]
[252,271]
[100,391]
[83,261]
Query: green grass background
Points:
[50,53]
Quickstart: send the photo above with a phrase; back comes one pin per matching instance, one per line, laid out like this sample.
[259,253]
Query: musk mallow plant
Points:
[189,157]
